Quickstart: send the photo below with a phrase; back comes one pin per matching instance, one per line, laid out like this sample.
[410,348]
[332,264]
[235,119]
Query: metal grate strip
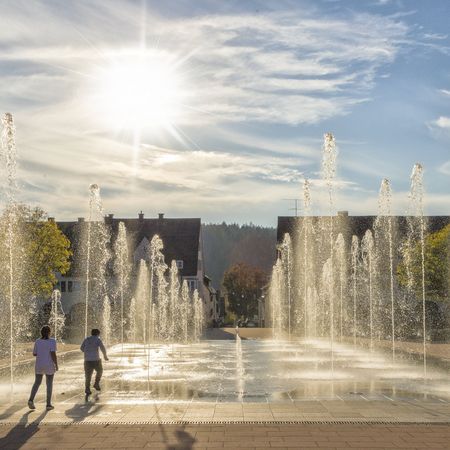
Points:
[236,422]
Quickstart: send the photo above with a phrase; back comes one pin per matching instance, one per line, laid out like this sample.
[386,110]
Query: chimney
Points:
[51,219]
[141,216]
[80,219]
[110,216]
[161,216]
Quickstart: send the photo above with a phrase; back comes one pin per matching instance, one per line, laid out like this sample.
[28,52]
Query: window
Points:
[192,284]
[179,263]
[70,286]
[63,286]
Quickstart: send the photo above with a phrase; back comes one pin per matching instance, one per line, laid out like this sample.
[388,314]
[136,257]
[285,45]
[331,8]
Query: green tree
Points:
[42,247]
[437,266]
[243,284]
[47,250]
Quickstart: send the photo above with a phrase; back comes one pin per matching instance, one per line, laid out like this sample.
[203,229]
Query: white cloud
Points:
[443,122]
[279,67]
[445,168]
[435,36]
[296,67]
[440,128]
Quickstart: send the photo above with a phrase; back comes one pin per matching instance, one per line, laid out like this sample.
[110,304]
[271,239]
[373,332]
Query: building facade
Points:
[182,240]
[355,225]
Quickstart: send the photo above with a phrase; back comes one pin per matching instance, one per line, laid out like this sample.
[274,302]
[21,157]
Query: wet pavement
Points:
[216,382]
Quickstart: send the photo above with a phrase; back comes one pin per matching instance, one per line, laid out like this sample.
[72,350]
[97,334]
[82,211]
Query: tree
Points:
[44,250]
[437,267]
[48,251]
[234,243]
[243,284]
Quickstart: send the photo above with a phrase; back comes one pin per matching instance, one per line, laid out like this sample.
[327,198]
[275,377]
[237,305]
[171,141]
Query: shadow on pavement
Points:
[185,441]
[80,411]
[22,432]
[11,410]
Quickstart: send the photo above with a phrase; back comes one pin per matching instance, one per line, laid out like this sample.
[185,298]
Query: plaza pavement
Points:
[325,424]
[245,436]
[109,410]
[353,421]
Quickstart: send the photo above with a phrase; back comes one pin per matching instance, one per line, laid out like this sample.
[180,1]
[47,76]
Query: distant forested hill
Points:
[225,245]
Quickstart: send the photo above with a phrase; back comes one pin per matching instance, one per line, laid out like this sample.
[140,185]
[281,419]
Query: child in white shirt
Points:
[46,364]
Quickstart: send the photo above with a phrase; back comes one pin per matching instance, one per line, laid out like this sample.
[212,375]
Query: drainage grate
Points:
[389,421]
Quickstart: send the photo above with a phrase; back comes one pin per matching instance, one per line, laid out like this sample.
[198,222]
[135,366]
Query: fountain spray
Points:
[329,157]
[306,219]
[286,259]
[275,295]
[174,291]
[97,256]
[368,257]
[385,201]
[416,201]
[9,154]
[121,269]
[198,315]
[341,260]
[185,300]
[57,317]
[142,299]
[156,267]
[354,252]
[106,319]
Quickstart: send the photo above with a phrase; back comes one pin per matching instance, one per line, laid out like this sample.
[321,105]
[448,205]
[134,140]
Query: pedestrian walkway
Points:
[114,410]
[245,436]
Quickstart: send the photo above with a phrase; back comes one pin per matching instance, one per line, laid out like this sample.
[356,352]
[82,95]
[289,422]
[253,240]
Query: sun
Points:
[144,92]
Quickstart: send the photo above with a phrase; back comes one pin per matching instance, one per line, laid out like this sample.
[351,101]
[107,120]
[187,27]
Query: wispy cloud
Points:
[440,127]
[445,168]
[443,122]
[288,69]
[435,36]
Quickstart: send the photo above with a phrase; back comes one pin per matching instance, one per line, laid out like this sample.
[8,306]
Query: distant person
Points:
[92,361]
[46,364]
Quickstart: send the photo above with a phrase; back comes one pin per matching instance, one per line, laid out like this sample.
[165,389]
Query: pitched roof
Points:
[357,225]
[181,237]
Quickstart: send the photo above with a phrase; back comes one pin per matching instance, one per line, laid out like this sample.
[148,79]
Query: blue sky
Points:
[258,83]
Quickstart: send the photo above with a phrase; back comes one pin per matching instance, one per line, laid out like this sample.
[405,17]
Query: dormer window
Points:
[179,263]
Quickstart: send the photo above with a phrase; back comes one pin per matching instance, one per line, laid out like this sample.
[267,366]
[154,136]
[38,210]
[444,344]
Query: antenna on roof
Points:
[295,208]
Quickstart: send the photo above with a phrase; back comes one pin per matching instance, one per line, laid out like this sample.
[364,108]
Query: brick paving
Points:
[230,436]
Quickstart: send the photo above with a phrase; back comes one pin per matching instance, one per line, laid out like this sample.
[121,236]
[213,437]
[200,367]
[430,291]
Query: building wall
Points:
[72,287]
[355,225]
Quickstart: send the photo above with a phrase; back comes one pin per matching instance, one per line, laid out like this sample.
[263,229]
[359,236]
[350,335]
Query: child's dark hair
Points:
[45,332]
[95,332]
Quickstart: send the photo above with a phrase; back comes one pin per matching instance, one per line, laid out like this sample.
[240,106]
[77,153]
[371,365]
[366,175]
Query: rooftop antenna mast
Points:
[295,208]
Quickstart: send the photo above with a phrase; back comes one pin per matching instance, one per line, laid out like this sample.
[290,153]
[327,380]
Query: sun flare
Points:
[140,94]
